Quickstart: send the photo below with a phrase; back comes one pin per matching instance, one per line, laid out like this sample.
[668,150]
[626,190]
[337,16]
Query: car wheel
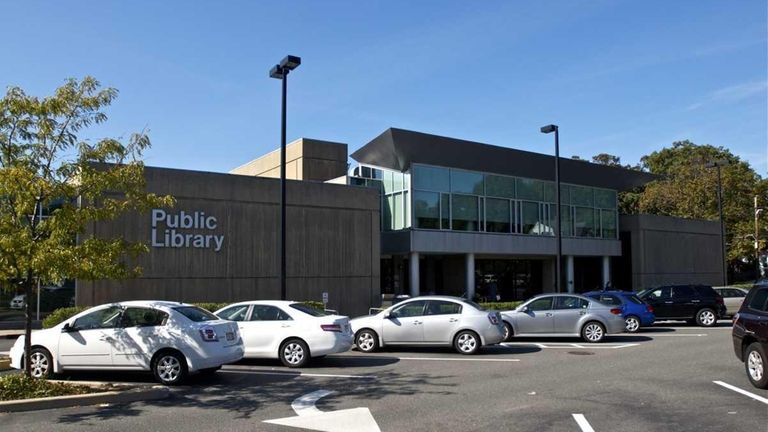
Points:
[41,363]
[632,324]
[294,353]
[706,317]
[508,332]
[169,368]
[367,341]
[593,331]
[755,361]
[466,342]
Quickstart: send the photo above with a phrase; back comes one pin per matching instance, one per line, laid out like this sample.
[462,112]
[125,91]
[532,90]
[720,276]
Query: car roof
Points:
[152,303]
[614,292]
[435,297]
[263,302]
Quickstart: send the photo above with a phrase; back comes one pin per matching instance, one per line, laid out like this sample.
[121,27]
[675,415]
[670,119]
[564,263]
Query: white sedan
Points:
[290,331]
[170,339]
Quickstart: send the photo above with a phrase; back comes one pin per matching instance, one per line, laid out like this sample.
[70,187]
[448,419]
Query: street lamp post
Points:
[718,164]
[549,129]
[759,273]
[280,71]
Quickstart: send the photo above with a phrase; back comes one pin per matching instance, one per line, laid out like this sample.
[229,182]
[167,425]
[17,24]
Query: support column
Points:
[413,262]
[606,271]
[569,273]
[469,264]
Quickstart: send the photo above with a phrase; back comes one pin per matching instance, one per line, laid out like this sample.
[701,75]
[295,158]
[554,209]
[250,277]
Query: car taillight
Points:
[649,308]
[331,327]
[493,318]
[208,334]
[616,311]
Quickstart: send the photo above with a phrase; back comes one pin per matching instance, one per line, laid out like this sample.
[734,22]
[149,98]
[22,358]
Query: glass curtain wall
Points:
[394,187]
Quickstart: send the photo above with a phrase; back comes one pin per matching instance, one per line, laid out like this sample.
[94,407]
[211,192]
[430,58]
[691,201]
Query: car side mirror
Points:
[67,328]
[524,309]
[388,316]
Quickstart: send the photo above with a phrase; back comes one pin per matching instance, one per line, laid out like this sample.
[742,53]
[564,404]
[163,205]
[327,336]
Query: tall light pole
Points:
[549,129]
[758,210]
[280,71]
[718,164]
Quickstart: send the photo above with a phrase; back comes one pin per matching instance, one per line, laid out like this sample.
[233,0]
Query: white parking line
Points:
[458,359]
[678,335]
[5,353]
[240,370]
[744,392]
[583,423]
[563,345]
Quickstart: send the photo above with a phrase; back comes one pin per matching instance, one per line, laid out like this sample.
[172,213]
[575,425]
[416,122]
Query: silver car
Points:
[430,321]
[563,315]
[733,297]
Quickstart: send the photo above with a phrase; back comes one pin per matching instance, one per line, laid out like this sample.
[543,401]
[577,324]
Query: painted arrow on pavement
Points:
[309,417]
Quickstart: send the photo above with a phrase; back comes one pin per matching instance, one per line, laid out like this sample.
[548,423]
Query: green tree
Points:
[52,185]
[628,200]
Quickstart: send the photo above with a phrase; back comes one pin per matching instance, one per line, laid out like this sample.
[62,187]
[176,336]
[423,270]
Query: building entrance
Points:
[508,279]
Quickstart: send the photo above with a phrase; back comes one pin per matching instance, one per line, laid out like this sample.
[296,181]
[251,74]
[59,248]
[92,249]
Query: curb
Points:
[110,397]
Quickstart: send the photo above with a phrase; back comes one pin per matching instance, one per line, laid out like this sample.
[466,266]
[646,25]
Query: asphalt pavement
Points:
[662,379]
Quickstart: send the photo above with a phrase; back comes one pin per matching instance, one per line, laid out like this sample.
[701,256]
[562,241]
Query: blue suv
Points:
[636,312]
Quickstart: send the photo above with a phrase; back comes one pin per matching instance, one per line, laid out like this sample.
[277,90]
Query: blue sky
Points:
[619,76]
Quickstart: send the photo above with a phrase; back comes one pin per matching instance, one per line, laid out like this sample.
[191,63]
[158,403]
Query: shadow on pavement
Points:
[343,360]
[484,351]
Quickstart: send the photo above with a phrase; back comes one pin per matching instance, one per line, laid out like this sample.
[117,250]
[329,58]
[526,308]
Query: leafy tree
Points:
[628,200]
[607,159]
[52,185]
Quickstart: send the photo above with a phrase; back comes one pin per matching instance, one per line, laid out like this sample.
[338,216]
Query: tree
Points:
[606,159]
[628,200]
[52,185]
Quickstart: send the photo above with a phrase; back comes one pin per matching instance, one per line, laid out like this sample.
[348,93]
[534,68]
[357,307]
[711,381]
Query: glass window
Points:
[759,300]
[565,194]
[605,198]
[196,314]
[398,212]
[497,215]
[581,196]
[440,307]
[268,313]
[464,212]
[610,300]
[568,302]
[308,310]
[530,189]
[445,209]
[143,317]
[389,209]
[388,186]
[549,191]
[683,291]
[499,186]
[430,178]
[234,313]
[397,181]
[410,309]
[467,182]
[99,319]
[542,304]
[426,209]
[584,222]
[661,293]
[608,223]
[737,293]
[567,221]
[530,216]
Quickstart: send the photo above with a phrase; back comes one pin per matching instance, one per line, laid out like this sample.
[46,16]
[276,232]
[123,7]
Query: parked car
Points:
[636,312]
[733,297]
[430,321]
[750,336]
[290,331]
[563,315]
[698,304]
[169,339]
[19,302]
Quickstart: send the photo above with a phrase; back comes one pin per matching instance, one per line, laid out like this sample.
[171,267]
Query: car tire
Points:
[755,362]
[169,367]
[706,317]
[632,324]
[509,332]
[42,363]
[367,341]
[467,342]
[294,353]
[593,332]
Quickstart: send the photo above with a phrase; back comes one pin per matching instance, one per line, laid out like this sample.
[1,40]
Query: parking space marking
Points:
[5,353]
[583,423]
[677,335]
[305,405]
[744,392]
[458,359]
[240,370]
[564,345]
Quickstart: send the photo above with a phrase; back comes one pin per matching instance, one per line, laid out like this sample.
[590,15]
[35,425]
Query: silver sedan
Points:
[430,321]
[563,315]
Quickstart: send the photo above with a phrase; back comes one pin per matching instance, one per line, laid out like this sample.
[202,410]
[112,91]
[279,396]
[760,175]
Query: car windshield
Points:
[196,314]
[308,310]
[635,299]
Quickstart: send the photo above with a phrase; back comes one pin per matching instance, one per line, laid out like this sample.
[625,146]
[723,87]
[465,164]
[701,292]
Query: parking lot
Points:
[669,377]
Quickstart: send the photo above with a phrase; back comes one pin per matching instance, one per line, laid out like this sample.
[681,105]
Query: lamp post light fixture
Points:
[281,71]
[558,232]
[718,164]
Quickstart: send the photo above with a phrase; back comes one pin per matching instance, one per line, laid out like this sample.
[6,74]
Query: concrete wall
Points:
[306,159]
[332,243]
[668,250]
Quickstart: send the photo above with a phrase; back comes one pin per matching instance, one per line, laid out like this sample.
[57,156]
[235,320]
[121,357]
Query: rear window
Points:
[759,301]
[473,304]
[308,310]
[196,314]
[635,299]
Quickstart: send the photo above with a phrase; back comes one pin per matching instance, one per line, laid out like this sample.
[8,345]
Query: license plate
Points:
[230,336]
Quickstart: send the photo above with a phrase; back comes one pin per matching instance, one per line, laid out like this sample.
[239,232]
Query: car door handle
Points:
[547,314]
[695,301]
[416,322]
[582,313]
[668,302]
[285,325]
[453,320]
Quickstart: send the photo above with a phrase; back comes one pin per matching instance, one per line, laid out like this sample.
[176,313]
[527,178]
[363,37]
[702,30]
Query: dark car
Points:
[750,335]
[698,304]
[636,312]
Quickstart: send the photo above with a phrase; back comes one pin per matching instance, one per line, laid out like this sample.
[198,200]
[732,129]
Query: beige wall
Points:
[332,243]
[305,159]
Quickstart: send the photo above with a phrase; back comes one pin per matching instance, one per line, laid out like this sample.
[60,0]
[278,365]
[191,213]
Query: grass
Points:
[18,386]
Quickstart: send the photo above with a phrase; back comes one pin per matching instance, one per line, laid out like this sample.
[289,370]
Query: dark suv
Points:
[750,335]
[698,304]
